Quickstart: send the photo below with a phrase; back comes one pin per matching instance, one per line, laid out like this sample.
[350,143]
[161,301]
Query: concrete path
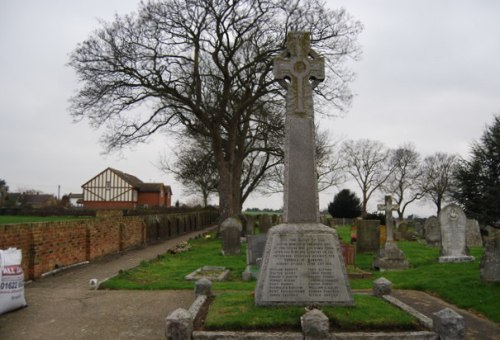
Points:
[477,328]
[63,307]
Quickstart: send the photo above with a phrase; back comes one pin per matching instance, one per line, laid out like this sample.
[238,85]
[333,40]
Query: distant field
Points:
[29,219]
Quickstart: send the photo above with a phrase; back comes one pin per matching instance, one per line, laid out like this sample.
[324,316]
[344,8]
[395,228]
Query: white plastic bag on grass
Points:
[11,280]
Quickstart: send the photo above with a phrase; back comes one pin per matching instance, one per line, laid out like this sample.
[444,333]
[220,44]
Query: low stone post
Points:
[449,324]
[315,325]
[203,287]
[179,325]
[382,286]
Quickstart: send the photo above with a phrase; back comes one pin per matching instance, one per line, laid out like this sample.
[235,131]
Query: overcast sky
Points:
[429,75]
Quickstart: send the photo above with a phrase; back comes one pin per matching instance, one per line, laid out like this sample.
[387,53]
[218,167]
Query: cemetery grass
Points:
[168,270]
[9,219]
[368,314]
[456,283]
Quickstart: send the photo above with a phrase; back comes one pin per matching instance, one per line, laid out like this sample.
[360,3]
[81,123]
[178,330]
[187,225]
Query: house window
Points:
[108,185]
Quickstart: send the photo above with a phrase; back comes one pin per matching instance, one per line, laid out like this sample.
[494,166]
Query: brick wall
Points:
[51,245]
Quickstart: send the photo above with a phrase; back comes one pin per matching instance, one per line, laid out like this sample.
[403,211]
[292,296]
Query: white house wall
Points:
[110,187]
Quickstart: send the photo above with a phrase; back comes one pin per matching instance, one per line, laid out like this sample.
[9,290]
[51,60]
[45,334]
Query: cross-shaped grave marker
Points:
[388,208]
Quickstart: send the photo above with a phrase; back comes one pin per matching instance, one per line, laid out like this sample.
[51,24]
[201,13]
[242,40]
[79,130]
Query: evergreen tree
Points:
[477,181]
[345,205]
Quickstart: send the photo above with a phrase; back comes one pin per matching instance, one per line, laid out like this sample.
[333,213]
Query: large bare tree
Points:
[367,161]
[205,66]
[403,184]
[437,177]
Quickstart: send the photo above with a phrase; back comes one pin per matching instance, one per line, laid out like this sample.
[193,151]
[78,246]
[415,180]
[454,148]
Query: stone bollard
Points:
[382,286]
[203,287]
[315,325]
[449,325]
[179,325]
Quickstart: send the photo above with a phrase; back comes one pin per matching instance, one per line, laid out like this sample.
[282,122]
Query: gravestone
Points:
[230,233]
[453,242]
[368,236]
[473,234]
[432,232]
[265,223]
[302,262]
[490,263]
[255,247]
[390,256]
[250,224]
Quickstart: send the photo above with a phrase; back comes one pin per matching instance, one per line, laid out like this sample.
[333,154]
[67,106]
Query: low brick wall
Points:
[51,245]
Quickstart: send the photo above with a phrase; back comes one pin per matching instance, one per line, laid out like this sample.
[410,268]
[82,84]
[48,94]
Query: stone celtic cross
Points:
[388,207]
[299,64]
[299,69]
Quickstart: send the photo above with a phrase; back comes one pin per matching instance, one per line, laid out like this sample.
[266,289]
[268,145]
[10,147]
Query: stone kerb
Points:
[179,325]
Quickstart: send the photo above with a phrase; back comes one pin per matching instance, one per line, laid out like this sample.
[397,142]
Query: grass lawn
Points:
[29,219]
[457,283]
[369,313]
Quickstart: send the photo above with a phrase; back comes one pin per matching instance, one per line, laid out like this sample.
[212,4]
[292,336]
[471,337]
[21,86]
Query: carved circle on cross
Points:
[299,67]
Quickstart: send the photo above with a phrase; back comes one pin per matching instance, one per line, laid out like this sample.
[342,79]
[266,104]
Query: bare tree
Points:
[403,184]
[205,67]
[367,161]
[194,168]
[437,176]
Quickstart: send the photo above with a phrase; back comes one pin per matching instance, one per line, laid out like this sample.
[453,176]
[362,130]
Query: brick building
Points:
[114,189]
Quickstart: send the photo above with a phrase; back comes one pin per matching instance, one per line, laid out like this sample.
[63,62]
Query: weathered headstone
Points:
[473,234]
[265,223]
[230,232]
[302,262]
[250,224]
[490,263]
[453,244]
[255,247]
[432,231]
[368,236]
[389,256]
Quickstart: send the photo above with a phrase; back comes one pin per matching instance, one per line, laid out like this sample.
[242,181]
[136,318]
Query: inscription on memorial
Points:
[303,267]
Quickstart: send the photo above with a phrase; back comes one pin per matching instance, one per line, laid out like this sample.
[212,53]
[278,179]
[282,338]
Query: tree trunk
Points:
[229,192]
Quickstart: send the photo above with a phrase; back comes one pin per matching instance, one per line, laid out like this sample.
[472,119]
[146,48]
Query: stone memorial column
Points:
[302,262]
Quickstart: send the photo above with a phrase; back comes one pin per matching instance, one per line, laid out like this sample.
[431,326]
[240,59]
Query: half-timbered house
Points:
[114,189]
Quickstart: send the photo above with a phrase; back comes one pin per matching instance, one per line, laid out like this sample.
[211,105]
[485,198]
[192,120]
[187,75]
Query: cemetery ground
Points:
[457,283]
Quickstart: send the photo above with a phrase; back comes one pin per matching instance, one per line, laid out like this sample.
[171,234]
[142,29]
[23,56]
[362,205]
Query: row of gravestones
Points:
[166,226]
[232,229]
[454,233]
[265,222]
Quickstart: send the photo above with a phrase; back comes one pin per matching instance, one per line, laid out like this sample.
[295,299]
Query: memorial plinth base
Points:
[463,258]
[390,258]
[303,265]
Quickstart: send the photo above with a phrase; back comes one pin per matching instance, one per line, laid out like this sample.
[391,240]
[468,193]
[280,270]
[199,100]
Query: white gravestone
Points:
[302,262]
[389,256]
[453,235]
